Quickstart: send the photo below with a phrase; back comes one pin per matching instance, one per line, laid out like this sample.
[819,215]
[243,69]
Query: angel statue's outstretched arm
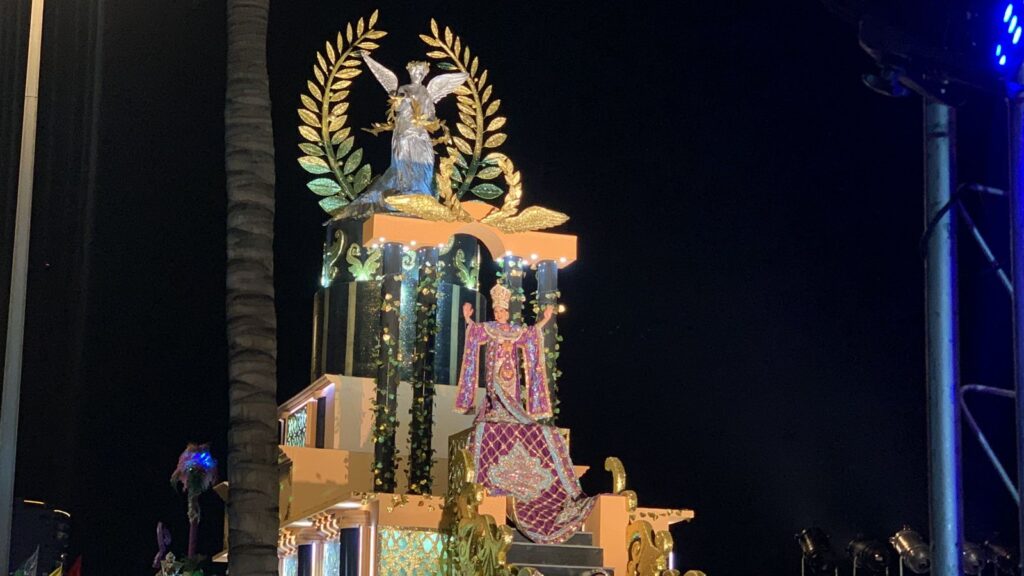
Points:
[386,77]
[445,84]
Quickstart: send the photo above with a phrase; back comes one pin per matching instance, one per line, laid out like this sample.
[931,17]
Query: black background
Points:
[745,323]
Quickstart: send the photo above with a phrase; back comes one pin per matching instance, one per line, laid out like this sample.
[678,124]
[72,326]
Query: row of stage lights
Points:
[911,552]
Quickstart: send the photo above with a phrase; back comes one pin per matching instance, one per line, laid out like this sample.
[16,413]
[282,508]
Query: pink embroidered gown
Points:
[513,454]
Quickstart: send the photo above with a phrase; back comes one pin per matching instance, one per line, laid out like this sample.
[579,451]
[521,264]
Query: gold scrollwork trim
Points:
[332,252]
[477,544]
[327,524]
[614,465]
[648,550]
[286,543]
[360,269]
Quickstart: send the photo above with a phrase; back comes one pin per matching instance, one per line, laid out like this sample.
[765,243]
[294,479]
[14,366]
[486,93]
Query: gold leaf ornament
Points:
[507,219]
[477,128]
[328,150]
[428,208]
[532,218]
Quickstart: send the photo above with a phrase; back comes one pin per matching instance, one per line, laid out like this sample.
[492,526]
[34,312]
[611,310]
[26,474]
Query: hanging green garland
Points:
[551,355]
[385,420]
[421,451]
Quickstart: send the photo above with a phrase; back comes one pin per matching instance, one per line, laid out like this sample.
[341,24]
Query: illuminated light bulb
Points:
[1008,12]
[1016,35]
[374,246]
[999,49]
[381,239]
[1013,24]
[533,256]
[1002,60]
[412,242]
[561,308]
[563,259]
[508,252]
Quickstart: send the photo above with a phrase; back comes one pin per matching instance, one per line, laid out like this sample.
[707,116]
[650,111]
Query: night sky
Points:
[745,323]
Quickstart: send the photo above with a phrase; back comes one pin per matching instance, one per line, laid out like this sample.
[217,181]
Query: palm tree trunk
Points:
[251,320]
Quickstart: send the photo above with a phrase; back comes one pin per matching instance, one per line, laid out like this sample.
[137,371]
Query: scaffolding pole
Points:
[1016,194]
[944,504]
[11,398]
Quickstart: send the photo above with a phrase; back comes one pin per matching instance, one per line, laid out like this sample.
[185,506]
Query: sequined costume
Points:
[503,402]
[513,454]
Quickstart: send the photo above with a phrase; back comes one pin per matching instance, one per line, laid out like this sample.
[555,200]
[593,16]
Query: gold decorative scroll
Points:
[327,524]
[477,544]
[648,550]
[332,252]
[614,465]
[286,543]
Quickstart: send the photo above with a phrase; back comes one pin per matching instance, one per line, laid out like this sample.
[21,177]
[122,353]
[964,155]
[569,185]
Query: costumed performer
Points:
[514,455]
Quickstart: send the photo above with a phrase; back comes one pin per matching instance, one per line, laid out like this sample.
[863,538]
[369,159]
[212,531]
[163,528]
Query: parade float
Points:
[427,441]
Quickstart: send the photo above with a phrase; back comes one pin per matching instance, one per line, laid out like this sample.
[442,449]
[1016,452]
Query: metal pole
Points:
[941,342]
[1017,256]
[11,398]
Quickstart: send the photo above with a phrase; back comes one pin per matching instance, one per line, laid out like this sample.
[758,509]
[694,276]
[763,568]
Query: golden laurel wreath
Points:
[328,147]
[472,161]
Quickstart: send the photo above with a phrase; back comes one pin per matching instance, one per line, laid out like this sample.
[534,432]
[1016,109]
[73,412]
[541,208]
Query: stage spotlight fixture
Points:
[1007,21]
[870,556]
[818,557]
[974,559]
[1004,561]
[914,553]
[886,83]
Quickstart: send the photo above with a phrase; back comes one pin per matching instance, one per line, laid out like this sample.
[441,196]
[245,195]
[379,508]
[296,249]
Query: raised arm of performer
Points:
[548,312]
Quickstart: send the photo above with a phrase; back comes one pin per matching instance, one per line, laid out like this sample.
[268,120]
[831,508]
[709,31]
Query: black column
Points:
[421,431]
[547,295]
[451,262]
[349,543]
[512,269]
[386,418]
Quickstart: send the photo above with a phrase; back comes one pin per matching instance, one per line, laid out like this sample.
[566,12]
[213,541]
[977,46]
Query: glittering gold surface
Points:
[648,550]
[477,544]
[614,465]
[409,552]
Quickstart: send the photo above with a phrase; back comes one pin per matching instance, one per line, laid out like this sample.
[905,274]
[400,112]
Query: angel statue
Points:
[411,121]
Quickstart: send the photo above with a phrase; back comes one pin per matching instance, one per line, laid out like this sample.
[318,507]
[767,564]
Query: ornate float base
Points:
[334,522]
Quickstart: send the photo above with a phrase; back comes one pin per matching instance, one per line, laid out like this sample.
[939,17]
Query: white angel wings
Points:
[438,87]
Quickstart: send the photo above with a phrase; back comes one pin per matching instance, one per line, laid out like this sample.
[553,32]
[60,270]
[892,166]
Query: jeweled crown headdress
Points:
[500,296]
